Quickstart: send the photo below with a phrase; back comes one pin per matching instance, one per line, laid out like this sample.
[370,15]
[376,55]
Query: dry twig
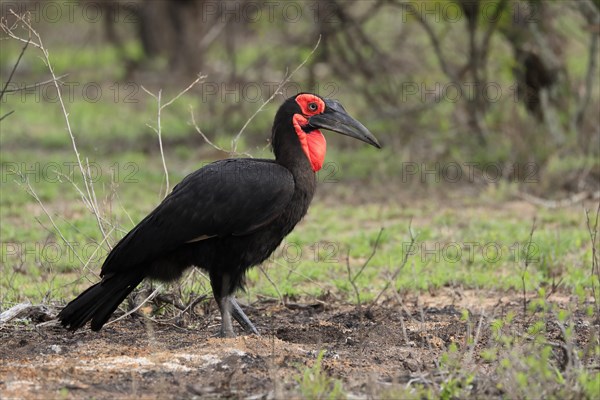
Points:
[526,266]
[158,129]
[353,279]
[87,196]
[568,202]
[234,142]
[4,89]
[407,254]
[128,313]
[277,91]
[281,300]
[593,232]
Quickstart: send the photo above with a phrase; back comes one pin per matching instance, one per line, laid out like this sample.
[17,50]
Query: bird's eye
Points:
[312,106]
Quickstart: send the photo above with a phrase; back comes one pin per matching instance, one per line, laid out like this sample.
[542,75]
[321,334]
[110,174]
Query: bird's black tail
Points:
[98,302]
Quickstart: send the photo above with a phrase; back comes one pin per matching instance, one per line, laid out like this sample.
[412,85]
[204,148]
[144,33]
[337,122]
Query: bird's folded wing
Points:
[229,197]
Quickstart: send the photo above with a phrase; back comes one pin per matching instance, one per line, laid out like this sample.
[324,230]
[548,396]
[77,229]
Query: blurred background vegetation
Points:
[504,82]
[505,92]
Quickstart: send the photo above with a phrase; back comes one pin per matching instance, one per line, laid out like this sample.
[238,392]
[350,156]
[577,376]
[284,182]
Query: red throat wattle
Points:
[313,143]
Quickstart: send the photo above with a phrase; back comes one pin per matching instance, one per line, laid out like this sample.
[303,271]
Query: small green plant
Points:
[533,361]
[458,383]
[314,383]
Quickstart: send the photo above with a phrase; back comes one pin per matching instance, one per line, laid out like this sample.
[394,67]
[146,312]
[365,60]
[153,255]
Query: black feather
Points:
[223,218]
[99,301]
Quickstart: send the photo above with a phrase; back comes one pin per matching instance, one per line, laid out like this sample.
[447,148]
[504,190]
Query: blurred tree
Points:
[403,61]
[172,29]
[539,69]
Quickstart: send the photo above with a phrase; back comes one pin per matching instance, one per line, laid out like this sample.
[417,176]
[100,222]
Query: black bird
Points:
[224,218]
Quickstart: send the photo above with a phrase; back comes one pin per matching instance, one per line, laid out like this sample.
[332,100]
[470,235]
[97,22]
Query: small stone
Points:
[411,365]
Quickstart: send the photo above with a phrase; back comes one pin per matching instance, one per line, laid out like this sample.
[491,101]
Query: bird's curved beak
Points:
[336,119]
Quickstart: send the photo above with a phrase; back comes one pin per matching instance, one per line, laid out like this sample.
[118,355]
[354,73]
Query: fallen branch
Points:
[570,201]
[25,310]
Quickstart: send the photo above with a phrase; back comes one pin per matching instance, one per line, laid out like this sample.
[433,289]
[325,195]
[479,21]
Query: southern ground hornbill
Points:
[223,218]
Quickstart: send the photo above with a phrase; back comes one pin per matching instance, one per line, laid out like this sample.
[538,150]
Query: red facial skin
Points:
[313,143]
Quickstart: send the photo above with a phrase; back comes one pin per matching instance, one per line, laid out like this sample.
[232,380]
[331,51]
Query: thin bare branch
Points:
[56,228]
[206,139]
[128,313]
[568,202]
[277,91]
[370,256]
[88,199]
[9,29]
[184,91]
[526,266]
[36,85]
[407,254]
[410,7]
[94,201]
[593,232]
[7,114]
[353,279]
[158,129]
[14,68]
[473,345]
[260,267]
[308,278]
[69,179]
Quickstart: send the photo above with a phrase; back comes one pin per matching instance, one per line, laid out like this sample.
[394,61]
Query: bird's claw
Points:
[242,318]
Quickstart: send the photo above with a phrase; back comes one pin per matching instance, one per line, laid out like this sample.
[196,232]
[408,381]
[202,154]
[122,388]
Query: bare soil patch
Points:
[139,358]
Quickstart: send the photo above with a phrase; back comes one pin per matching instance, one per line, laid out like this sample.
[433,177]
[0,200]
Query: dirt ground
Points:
[141,358]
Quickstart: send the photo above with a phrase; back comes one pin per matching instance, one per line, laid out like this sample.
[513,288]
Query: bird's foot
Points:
[230,308]
[242,318]
[226,333]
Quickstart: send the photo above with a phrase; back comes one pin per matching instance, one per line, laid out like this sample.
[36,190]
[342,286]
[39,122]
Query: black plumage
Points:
[223,218]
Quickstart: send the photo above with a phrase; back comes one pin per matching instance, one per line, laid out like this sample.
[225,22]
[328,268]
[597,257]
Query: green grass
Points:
[473,242]
[454,246]
[460,240]
[469,241]
[315,383]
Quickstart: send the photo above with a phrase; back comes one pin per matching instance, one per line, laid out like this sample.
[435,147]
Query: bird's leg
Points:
[241,317]
[221,292]
[229,307]
[226,324]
